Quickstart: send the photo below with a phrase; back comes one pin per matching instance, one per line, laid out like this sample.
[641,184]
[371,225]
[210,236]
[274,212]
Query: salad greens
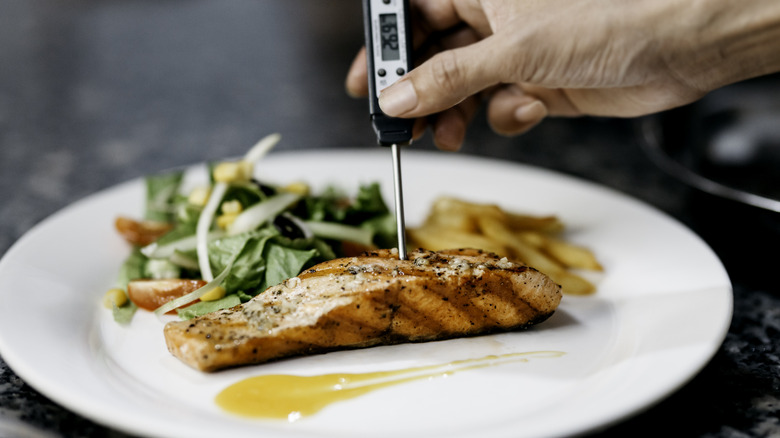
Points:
[249,234]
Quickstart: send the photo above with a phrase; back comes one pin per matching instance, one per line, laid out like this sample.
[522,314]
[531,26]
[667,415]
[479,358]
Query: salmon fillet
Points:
[369,300]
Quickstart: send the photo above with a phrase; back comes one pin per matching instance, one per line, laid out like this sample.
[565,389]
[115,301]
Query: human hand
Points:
[532,58]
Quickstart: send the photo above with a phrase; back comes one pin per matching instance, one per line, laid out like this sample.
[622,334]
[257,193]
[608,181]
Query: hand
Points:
[534,58]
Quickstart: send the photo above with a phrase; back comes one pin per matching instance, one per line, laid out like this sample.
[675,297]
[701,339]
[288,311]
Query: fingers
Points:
[445,80]
[357,76]
[435,14]
[516,108]
[450,126]
[511,111]
[431,16]
[440,15]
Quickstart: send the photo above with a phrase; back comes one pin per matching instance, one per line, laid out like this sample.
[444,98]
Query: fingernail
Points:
[398,99]
[531,112]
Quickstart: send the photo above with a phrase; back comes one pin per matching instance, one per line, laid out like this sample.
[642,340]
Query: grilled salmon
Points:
[369,300]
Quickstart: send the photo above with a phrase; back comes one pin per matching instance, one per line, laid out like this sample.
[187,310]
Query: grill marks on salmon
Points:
[374,299]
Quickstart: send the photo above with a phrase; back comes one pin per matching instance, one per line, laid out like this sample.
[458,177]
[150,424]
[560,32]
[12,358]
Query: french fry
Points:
[521,250]
[448,206]
[571,255]
[452,219]
[533,240]
[571,283]
[544,224]
[438,239]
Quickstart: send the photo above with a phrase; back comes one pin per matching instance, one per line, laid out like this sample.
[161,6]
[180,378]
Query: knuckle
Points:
[448,74]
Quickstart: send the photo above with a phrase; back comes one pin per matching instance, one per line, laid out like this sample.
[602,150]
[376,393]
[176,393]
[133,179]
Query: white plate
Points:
[661,311]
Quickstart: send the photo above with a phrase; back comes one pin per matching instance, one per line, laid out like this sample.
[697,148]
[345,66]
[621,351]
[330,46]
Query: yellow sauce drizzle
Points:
[284,396]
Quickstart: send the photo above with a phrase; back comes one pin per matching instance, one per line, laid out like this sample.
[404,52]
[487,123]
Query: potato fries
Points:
[533,240]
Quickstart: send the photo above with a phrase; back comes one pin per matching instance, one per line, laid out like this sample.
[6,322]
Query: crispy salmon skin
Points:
[369,300]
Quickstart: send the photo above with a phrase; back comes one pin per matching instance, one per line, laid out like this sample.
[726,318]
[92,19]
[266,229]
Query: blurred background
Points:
[109,90]
[97,92]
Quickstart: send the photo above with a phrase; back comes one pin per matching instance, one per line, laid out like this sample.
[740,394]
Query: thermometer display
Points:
[388,33]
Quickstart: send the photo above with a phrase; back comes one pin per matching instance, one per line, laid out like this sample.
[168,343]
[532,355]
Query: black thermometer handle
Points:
[389,52]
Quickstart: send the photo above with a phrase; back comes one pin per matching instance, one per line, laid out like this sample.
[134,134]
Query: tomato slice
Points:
[141,233]
[151,294]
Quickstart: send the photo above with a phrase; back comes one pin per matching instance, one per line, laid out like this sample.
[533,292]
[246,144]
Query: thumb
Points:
[444,80]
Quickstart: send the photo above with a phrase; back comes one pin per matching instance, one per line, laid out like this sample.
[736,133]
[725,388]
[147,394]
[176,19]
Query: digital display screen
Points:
[388,32]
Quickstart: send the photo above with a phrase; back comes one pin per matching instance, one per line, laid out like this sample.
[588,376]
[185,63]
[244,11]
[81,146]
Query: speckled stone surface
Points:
[93,93]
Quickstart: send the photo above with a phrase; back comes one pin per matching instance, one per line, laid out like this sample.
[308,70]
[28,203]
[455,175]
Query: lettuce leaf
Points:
[204,307]
[283,263]
[123,315]
[161,268]
[161,191]
[179,231]
[133,267]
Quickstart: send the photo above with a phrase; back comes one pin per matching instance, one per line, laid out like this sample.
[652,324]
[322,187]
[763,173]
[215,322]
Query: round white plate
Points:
[662,309]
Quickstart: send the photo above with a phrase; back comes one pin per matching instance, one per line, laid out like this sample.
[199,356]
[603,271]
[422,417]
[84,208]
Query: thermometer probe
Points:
[388,52]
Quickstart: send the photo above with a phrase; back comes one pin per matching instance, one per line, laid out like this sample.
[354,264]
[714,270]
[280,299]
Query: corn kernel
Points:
[224,220]
[232,207]
[233,171]
[299,188]
[114,297]
[199,196]
[227,172]
[247,169]
[214,294]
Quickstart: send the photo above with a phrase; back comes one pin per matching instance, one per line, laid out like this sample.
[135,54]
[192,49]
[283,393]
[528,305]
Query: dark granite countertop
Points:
[94,93]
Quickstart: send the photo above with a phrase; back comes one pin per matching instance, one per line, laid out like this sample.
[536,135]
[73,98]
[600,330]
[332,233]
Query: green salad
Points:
[224,243]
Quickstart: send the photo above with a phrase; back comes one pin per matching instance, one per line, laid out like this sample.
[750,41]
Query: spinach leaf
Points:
[368,203]
[248,269]
[264,258]
[333,205]
[247,194]
[283,263]
[384,230]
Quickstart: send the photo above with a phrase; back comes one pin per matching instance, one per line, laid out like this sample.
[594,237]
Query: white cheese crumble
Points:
[292,282]
[421,261]
[504,263]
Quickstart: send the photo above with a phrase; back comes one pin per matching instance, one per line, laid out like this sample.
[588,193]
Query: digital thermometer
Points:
[388,51]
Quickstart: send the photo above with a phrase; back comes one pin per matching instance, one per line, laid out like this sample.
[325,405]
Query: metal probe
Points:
[399,201]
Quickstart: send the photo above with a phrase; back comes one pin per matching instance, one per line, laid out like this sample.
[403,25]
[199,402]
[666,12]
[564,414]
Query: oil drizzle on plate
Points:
[290,397]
